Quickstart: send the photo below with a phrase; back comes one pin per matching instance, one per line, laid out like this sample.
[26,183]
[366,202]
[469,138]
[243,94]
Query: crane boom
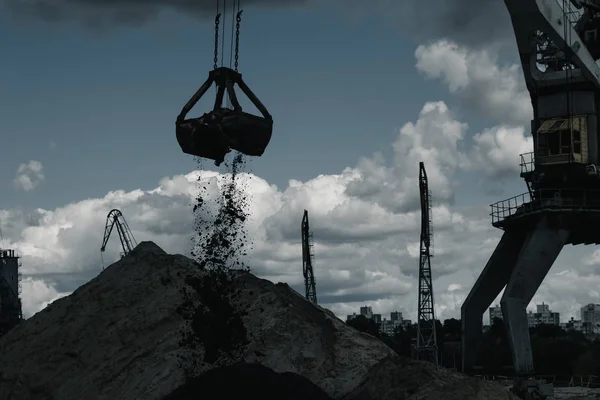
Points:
[115,219]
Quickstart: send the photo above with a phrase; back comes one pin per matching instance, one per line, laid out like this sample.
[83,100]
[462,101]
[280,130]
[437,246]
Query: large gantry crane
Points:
[307,261]
[115,219]
[558,47]
[426,345]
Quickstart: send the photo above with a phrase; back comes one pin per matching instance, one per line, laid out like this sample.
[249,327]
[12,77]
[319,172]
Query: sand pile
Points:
[252,381]
[397,377]
[150,320]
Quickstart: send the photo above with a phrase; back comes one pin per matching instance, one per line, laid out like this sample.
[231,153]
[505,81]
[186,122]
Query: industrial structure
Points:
[307,261]
[558,47]
[426,344]
[11,313]
[115,219]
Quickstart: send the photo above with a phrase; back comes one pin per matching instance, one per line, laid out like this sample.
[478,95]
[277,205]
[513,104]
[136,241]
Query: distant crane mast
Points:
[115,218]
[307,259]
[426,346]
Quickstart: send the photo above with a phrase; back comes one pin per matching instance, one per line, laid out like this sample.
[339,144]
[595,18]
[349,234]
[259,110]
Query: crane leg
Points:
[490,283]
[541,248]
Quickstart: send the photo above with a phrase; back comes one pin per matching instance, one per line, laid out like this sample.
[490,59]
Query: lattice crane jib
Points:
[426,346]
[115,219]
[307,261]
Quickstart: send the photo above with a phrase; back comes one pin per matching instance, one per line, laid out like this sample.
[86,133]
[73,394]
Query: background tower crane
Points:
[307,261]
[426,346]
[115,219]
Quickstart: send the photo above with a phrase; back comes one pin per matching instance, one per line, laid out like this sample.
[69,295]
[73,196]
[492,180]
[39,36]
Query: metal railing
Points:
[527,162]
[507,208]
[546,199]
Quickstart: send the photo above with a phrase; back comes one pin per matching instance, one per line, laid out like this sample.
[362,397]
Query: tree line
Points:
[555,351]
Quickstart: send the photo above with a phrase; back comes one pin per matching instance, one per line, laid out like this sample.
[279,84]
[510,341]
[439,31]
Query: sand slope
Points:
[120,336]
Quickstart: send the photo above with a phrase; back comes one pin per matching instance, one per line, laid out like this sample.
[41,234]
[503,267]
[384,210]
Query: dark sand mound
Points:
[251,381]
[149,321]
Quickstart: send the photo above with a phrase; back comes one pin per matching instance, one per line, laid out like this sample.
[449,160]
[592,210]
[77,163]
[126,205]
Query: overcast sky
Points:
[359,95]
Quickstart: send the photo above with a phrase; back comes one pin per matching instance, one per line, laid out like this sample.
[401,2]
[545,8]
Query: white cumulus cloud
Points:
[496,151]
[39,295]
[29,175]
[489,90]
[475,76]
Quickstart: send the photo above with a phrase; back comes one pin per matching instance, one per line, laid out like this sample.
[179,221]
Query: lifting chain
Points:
[238,19]
[217,21]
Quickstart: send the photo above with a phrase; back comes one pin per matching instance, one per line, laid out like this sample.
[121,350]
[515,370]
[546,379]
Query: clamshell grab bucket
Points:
[199,139]
[214,134]
[247,133]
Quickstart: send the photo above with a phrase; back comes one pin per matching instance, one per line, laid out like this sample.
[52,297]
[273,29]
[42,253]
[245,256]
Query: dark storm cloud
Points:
[475,23]
[126,12]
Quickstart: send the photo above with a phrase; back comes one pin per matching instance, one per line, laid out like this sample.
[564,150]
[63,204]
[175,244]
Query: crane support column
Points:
[490,283]
[540,249]
[520,263]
